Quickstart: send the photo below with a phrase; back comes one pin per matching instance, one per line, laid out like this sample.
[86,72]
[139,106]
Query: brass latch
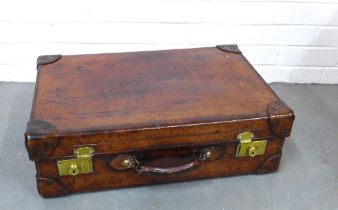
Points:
[82,164]
[247,147]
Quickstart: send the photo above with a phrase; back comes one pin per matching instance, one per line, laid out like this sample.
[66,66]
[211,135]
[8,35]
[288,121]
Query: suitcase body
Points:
[127,119]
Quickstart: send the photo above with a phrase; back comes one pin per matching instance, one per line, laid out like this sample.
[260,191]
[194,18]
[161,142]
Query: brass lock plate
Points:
[82,164]
[248,148]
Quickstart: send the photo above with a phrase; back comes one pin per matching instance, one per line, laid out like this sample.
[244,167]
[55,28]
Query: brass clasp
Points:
[246,147]
[82,164]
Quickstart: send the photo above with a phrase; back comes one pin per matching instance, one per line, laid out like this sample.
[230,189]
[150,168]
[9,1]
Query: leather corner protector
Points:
[49,187]
[229,48]
[40,139]
[269,165]
[47,59]
[281,118]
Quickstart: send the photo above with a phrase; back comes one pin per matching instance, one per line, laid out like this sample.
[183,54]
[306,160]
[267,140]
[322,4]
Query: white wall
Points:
[287,41]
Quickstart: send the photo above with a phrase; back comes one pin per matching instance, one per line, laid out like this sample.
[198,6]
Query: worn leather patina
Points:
[162,108]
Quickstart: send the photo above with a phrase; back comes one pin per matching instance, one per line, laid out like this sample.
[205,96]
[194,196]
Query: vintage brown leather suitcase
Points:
[126,119]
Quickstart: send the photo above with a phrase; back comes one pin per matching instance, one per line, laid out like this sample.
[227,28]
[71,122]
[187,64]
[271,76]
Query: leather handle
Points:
[125,162]
[171,170]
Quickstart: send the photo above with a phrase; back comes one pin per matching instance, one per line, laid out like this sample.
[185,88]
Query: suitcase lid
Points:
[149,99]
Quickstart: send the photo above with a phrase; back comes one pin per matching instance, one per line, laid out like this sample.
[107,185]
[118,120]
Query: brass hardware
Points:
[252,151]
[211,153]
[208,154]
[73,170]
[82,164]
[124,162]
[127,163]
[247,147]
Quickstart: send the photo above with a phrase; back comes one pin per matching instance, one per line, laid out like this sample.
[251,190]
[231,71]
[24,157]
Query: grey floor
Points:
[307,179]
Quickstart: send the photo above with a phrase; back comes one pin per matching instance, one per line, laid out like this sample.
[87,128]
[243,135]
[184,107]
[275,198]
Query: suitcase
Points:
[128,119]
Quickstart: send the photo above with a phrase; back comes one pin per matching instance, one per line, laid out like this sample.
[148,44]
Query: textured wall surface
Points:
[287,41]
